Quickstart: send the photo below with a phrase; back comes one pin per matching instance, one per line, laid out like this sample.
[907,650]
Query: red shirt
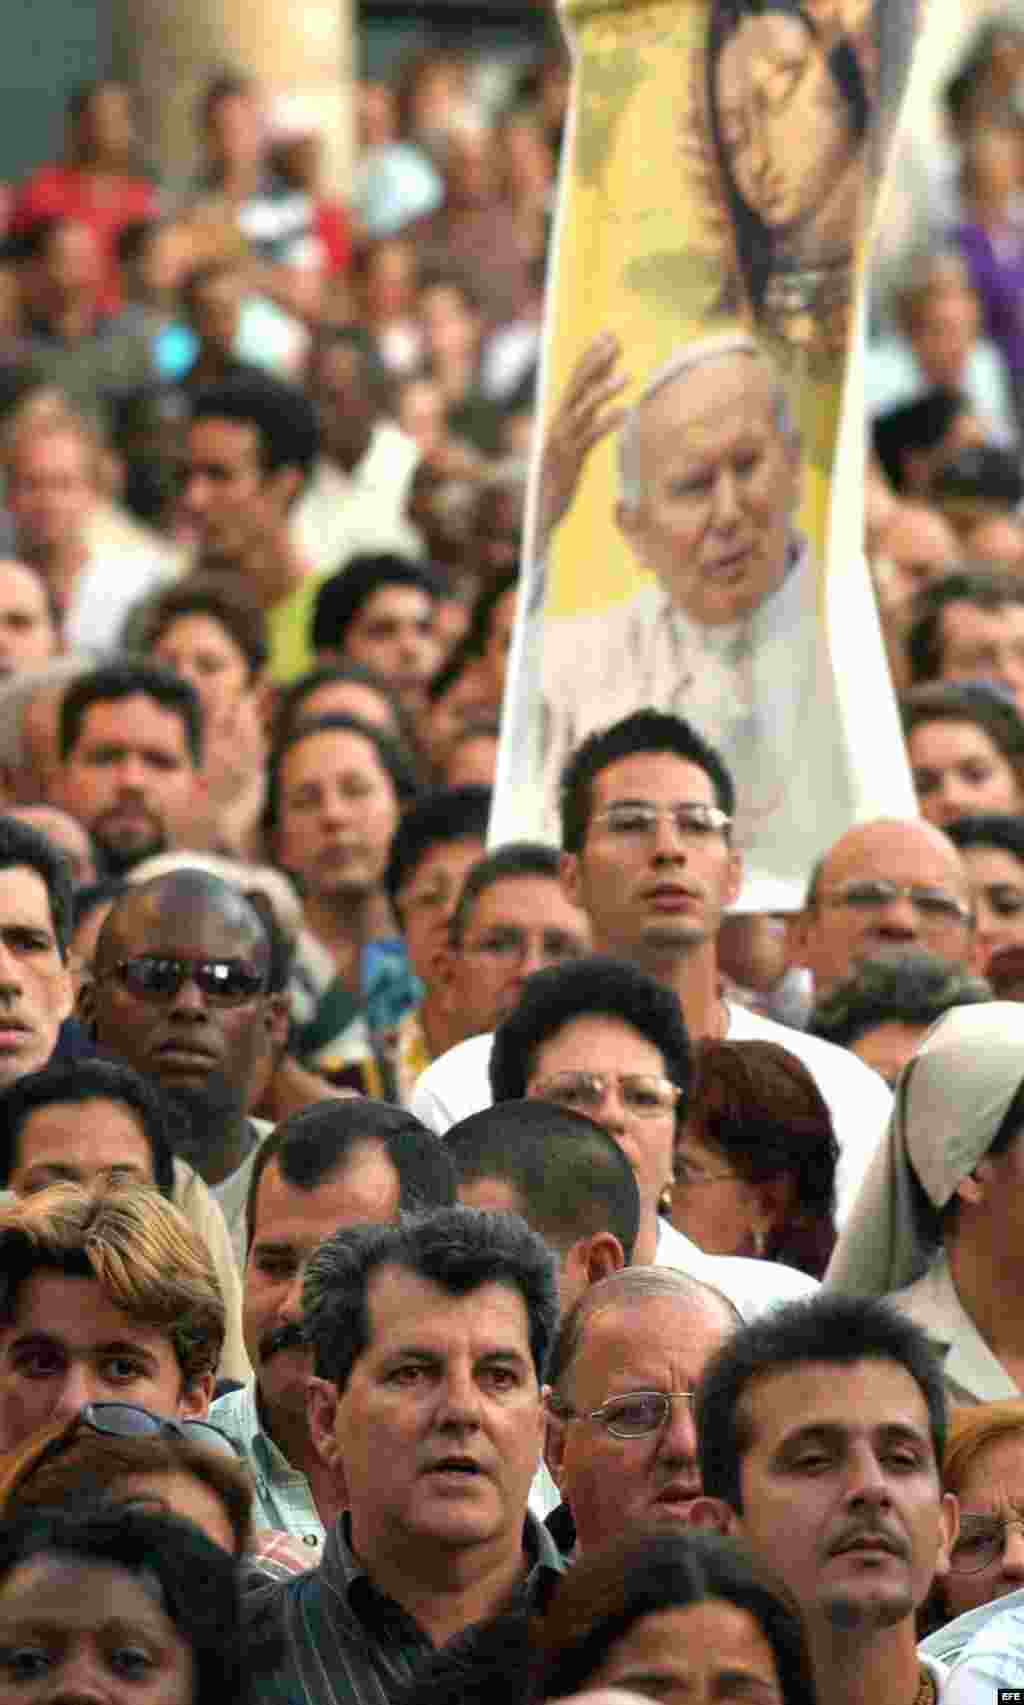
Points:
[64,192]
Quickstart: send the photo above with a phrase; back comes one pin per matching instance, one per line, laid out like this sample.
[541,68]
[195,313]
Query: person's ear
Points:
[713,1514]
[85,1008]
[603,1255]
[555,1435]
[569,877]
[772,1201]
[195,1400]
[797,927]
[322,1397]
[734,879]
[949,1527]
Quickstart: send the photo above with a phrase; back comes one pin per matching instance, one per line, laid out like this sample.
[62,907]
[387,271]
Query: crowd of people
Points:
[432,1270]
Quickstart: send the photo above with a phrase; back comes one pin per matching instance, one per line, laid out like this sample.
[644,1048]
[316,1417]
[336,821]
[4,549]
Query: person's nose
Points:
[866,1478]
[189,1002]
[132,774]
[899,917]
[1013,1552]
[677,1441]
[79,1386]
[668,843]
[80,1678]
[459,1394]
[196,494]
[725,510]
[11,972]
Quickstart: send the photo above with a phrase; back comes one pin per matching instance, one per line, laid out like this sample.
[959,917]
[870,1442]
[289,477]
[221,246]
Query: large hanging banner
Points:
[694,541]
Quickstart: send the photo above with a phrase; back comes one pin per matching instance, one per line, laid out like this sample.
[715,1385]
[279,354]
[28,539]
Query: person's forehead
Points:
[448,856]
[962,619]
[920,533]
[641,1338]
[132,719]
[860,1398]
[78,1128]
[51,452]
[895,852]
[175,923]
[76,1593]
[404,1308]
[332,751]
[519,900]
[993,864]
[23,897]
[661,778]
[687,410]
[587,1041]
[229,441]
[20,585]
[79,1313]
[395,598]
[363,1190]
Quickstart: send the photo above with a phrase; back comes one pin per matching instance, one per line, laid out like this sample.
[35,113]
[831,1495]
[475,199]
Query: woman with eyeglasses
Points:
[120,1454]
[755,1161]
[984,1467]
[121,1607]
[938,1226]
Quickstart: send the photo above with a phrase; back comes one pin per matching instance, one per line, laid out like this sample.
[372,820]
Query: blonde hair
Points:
[971,1429]
[140,1250]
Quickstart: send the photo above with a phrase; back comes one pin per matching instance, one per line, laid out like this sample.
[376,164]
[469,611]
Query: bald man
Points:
[884,889]
[179,992]
[723,631]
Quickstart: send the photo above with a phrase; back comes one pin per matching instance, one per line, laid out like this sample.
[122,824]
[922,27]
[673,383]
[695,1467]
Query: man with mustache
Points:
[820,1430]
[130,742]
[179,991]
[620,1442]
[333,1164]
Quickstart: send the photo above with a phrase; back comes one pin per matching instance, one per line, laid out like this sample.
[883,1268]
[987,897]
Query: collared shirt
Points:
[346,1643]
[972,1373]
[283,1497]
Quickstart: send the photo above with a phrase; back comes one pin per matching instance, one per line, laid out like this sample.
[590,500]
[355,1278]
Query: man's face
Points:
[35,983]
[90,1143]
[840,1489]
[518,925]
[288,1224]
[344,402]
[596,1042]
[658,893]
[28,637]
[338,812]
[130,778]
[835,936]
[445,1395]
[613,1484]
[50,490]
[426,901]
[230,500]
[943,334]
[919,547]
[70,1345]
[719,485]
[217,311]
[985,645]
[393,633]
[188,1041]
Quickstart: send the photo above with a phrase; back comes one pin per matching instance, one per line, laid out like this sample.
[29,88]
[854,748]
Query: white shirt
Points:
[340,515]
[983,1649]
[457,1084]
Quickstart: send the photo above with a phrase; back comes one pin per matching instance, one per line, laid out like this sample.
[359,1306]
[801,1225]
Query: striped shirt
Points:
[346,1643]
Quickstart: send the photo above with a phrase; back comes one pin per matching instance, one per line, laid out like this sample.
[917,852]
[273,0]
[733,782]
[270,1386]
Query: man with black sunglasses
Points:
[179,992]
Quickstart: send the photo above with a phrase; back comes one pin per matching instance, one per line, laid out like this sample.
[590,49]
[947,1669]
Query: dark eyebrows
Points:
[267,1246]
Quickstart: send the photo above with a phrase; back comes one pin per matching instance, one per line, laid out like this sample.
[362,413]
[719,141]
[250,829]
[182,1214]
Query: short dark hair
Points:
[318,1140]
[459,1249]
[198,1583]
[916,988]
[129,678]
[643,731]
[641,1573]
[570,1175]
[288,712]
[484,605]
[283,417]
[20,844]
[342,595]
[1007,833]
[986,589]
[392,757]
[834,1331]
[595,986]
[437,818]
[226,602]
[81,1082]
[955,701]
[516,858]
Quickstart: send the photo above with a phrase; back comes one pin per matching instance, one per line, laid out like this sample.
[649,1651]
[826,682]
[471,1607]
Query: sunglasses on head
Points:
[131,1421]
[155,977]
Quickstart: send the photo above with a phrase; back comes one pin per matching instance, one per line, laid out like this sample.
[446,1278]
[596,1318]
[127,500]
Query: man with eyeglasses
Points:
[620,1441]
[512,918]
[885,889]
[179,992]
[648,856]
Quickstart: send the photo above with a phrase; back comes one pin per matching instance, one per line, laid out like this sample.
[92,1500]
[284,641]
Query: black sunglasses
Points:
[153,977]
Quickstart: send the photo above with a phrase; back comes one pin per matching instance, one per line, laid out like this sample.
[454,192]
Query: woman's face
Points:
[997,887]
[991,1494]
[712,1653]
[76,1630]
[785,125]
[203,652]
[183,1495]
[711,1203]
[959,771]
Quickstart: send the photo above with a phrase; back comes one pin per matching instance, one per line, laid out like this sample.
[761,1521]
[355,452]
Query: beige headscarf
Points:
[950,1101]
